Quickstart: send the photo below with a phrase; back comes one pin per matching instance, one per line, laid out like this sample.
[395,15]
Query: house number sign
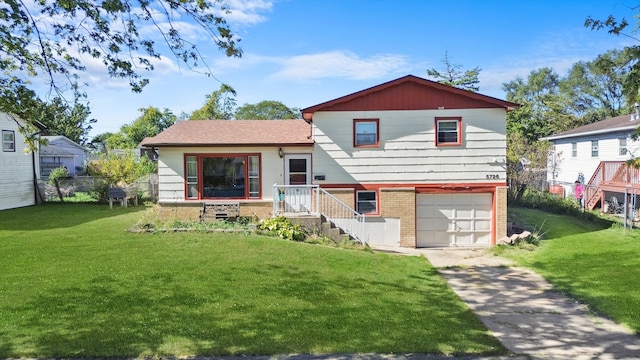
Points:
[493,177]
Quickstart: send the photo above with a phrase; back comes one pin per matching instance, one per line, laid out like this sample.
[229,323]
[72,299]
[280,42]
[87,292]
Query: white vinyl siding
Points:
[608,150]
[172,179]
[407,151]
[16,170]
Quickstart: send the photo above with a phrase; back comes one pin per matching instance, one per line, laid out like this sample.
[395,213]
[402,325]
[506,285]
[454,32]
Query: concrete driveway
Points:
[524,312]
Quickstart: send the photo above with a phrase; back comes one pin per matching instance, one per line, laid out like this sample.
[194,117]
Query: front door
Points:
[297,174]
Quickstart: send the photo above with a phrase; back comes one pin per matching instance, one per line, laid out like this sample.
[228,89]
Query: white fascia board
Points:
[587,133]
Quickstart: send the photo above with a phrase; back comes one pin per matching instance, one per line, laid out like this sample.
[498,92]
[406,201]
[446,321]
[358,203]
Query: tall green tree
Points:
[220,105]
[54,39]
[151,122]
[70,120]
[631,82]
[266,110]
[453,75]
[594,88]
[543,110]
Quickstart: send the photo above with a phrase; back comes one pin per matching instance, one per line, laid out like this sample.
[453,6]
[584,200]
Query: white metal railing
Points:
[312,200]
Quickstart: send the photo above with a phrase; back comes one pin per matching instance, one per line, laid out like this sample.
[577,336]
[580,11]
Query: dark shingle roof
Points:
[233,133]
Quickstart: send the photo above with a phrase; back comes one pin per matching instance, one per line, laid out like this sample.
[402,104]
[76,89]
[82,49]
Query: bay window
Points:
[222,176]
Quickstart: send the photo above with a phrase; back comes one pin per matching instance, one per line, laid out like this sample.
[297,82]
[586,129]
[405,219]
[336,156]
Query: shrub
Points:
[57,174]
[282,227]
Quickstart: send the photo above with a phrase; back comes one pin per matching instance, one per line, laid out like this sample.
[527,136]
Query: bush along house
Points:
[410,163]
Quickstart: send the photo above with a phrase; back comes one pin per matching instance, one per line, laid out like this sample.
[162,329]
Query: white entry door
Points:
[297,174]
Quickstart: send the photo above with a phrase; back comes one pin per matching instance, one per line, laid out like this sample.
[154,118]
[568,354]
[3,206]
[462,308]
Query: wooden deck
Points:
[611,176]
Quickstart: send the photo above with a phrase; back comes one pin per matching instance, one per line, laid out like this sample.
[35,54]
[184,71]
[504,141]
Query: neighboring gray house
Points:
[62,151]
[18,168]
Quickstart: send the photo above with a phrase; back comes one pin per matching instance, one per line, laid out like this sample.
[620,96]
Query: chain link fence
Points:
[89,187]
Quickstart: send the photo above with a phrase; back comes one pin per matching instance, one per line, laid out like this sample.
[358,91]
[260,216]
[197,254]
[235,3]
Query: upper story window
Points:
[622,146]
[594,148]
[367,202]
[366,132]
[574,149]
[448,131]
[8,140]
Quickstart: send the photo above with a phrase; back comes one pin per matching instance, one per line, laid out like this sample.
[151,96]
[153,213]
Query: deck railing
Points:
[297,200]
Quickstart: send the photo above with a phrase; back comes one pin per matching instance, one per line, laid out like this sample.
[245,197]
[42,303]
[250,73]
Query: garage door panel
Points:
[454,219]
[483,225]
[464,225]
[465,212]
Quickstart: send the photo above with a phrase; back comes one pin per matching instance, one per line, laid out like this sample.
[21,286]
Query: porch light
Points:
[280,153]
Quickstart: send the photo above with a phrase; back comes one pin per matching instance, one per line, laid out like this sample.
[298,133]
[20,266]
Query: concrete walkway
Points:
[523,311]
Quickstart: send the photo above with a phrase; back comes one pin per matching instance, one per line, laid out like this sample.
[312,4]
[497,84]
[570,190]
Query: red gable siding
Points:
[409,93]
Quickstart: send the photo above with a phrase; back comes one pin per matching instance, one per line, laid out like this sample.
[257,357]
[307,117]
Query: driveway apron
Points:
[523,311]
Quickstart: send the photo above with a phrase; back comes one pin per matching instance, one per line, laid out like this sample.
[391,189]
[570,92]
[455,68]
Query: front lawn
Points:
[597,264]
[75,283]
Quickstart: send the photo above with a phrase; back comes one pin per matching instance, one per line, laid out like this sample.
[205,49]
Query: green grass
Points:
[75,283]
[596,263]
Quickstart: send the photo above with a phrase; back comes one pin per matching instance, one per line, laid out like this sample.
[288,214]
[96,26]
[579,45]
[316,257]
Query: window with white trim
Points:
[594,148]
[448,131]
[574,149]
[8,141]
[367,202]
[622,146]
[366,133]
[222,176]
[192,176]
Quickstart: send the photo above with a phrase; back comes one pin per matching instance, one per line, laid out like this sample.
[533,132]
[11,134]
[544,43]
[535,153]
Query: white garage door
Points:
[453,220]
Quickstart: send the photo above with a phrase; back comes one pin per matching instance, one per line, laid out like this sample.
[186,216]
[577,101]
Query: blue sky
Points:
[305,52]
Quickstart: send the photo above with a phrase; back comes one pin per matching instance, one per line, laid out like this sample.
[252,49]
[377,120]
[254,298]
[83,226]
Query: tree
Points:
[55,39]
[220,105]
[151,122]
[453,75]
[631,83]
[525,159]
[543,110]
[594,88]
[266,110]
[62,118]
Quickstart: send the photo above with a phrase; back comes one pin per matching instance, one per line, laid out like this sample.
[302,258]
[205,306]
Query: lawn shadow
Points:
[59,215]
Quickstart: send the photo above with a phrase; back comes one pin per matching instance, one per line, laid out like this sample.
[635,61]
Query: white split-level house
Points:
[415,162]
[18,168]
[596,153]
[60,151]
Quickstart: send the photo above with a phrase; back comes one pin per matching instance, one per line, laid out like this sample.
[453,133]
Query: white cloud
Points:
[339,64]
[247,12]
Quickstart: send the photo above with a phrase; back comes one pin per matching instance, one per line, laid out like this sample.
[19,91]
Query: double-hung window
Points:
[448,131]
[8,141]
[594,148]
[622,146]
[222,176]
[367,202]
[574,149]
[366,133]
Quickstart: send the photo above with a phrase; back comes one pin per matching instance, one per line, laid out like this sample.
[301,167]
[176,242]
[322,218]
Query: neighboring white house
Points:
[61,151]
[587,149]
[424,162]
[18,168]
